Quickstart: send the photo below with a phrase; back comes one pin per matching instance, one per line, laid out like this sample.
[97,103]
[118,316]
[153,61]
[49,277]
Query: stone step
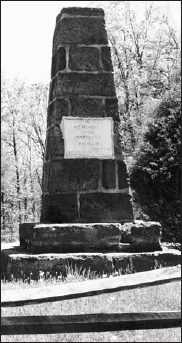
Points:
[143,235]
[69,237]
[80,237]
[18,263]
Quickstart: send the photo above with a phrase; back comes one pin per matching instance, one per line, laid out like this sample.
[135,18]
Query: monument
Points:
[86,196]
[87,217]
[84,177]
[85,184]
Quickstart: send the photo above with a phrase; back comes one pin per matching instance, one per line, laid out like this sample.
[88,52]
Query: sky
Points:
[27,29]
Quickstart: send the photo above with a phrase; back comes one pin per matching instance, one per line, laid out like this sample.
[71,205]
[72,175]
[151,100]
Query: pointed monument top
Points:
[80,11]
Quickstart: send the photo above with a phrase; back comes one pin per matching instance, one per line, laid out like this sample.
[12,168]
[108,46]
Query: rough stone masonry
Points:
[82,190]
[86,202]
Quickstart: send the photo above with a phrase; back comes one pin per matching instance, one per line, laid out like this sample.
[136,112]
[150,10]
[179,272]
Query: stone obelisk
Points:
[85,197]
[90,183]
[86,203]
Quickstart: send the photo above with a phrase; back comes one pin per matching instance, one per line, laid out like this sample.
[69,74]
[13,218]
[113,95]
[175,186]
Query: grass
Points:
[165,297]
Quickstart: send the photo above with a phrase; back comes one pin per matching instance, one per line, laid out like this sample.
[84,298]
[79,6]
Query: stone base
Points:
[39,238]
[79,237]
[18,263]
[144,236]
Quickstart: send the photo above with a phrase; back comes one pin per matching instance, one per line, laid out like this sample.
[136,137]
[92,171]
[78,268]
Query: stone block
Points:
[74,175]
[123,181]
[86,107]
[80,30]
[53,66]
[106,58]
[105,207]
[58,61]
[80,11]
[144,236]
[60,58]
[83,58]
[21,263]
[134,262]
[51,90]
[45,178]
[108,174]
[25,232]
[70,237]
[111,108]
[59,208]
[56,110]
[84,84]
[50,111]
[54,144]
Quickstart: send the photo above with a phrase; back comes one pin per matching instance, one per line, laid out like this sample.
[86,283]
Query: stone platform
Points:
[18,263]
[89,237]
[77,237]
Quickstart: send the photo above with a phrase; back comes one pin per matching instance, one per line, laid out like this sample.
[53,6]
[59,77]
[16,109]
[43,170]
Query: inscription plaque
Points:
[88,137]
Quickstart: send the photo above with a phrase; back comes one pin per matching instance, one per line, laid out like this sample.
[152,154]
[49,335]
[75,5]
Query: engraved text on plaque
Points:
[88,137]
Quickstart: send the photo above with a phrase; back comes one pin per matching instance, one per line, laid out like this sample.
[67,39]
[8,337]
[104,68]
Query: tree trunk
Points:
[17,171]
[3,211]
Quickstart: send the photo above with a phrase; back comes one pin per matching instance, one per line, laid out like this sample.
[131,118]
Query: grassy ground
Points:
[154,298]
